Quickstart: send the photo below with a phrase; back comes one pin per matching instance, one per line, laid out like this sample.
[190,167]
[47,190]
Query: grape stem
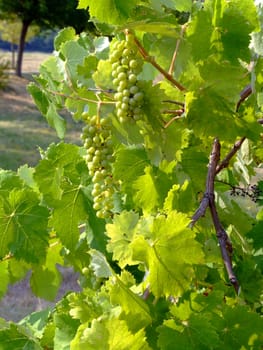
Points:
[78,98]
[173,111]
[171,69]
[178,114]
[209,201]
[152,61]
[175,102]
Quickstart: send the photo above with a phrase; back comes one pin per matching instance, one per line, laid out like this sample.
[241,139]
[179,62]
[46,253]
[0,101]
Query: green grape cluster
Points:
[96,136]
[126,65]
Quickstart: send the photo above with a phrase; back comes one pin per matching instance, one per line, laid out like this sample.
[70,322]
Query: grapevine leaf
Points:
[4,273]
[74,55]
[111,11]
[249,271]
[17,337]
[198,332]
[56,121]
[23,226]
[102,77]
[36,321]
[87,305]
[236,333]
[135,309]
[61,163]
[86,70]
[83,4]
[45,279]
[95,229]
[99,264]
[169,255]
[50,184]
[180,198]
[129,165]
[109,334]
[66,326]
[63,36]
[238,22]
[39,97]
[180,5]
[153,96]
[121,233]
[26,173]
[8,181]
[191,158]
[215,30]
[255,232]
[166,26]
[101,47]
[17,270]
[72,208]
[151,189]
[77,102]
[216,103]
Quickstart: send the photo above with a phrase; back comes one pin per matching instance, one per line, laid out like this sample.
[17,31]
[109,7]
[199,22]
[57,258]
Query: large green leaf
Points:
[23,223]
[121,234]
[17,337]
[61,163]
[169,255]
[109,334]
[235,331]
[134,307]
[198,332]
[46,279]
[72,208]
[110,11]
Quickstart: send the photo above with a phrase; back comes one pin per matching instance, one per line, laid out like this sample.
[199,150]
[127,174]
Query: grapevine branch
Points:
[225,162]
[209,201]
[152,61]
[247,91]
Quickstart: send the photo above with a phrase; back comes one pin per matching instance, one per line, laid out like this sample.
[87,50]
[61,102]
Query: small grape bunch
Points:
[252,191]
[126,65]
[96,136]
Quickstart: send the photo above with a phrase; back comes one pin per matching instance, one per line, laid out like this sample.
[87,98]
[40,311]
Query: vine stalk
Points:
[209,201]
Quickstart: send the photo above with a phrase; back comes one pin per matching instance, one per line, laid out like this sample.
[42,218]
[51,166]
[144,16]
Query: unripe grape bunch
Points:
[96,136]
[126,65]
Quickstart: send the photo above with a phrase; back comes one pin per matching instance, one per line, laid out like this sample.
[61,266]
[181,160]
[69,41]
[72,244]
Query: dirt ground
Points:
[18,111]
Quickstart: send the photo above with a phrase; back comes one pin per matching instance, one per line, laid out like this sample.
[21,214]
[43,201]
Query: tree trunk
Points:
[21,46]
[13,52]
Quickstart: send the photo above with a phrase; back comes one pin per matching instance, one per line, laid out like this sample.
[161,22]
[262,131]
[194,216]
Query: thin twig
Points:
[173,111]
[175,102]
[172,120]
[171,69]
[225,162]
[152,61]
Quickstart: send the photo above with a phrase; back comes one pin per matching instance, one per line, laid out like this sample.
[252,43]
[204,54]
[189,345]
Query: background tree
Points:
[10,30]
[43,13]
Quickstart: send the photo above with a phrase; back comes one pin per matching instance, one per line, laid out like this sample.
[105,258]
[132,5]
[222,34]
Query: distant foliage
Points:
[4,76]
